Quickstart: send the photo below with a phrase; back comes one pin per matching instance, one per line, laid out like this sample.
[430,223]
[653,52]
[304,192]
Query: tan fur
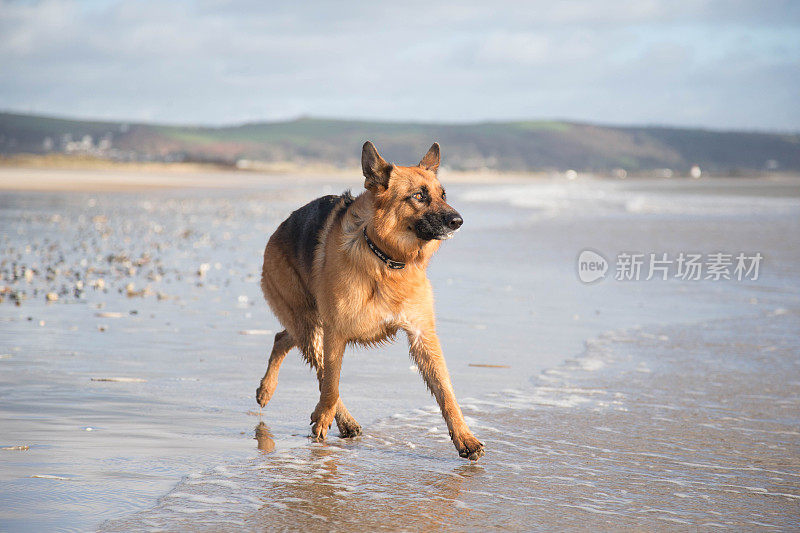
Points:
[350,296]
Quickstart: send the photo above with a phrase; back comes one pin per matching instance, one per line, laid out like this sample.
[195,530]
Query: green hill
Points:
[511,146]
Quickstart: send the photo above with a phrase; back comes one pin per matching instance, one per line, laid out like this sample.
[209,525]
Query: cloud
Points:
[704,63]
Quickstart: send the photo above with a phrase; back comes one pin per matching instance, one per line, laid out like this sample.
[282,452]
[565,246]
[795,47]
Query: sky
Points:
[699,63]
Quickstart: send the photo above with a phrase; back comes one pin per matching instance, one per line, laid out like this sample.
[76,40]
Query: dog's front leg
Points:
[333,346]
[427,354]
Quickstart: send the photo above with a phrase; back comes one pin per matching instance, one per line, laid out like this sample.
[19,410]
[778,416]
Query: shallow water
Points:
[689,420]
[640,432]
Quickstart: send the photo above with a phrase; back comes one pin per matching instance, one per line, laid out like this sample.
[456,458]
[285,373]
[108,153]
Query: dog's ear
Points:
[376,170]
[431,159]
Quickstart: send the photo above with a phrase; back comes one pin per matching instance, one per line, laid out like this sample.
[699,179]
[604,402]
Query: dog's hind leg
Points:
[293,306]
[283,343]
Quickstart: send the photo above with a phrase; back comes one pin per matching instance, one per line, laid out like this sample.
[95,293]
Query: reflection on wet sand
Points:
[264,438]
[321,485]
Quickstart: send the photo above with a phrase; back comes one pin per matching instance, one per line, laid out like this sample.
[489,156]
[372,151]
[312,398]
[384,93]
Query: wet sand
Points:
[127,180]
[640,405]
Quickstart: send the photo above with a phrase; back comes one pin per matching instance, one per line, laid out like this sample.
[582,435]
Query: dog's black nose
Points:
[454,221]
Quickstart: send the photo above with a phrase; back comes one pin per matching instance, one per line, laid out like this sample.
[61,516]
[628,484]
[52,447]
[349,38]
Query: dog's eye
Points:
[444,196]
[419,196]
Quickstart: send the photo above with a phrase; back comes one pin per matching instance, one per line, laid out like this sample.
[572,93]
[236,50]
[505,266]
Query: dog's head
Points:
[410,204]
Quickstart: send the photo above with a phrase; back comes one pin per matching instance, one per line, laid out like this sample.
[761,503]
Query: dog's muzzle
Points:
[438,225]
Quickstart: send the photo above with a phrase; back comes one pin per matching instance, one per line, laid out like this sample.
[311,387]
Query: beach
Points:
[130,355]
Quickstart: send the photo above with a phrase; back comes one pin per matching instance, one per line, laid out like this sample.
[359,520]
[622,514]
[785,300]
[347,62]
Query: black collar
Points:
[396,265]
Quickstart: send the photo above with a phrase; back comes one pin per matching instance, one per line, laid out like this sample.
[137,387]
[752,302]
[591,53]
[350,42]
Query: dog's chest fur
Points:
[369,310]
[370,302]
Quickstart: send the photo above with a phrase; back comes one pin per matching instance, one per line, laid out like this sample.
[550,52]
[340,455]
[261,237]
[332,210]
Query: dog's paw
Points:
[469,447]
[318,433]
[320,423]
[263,395]
[349,430]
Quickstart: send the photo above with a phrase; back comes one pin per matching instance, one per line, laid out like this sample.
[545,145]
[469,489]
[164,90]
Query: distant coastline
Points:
[548,147]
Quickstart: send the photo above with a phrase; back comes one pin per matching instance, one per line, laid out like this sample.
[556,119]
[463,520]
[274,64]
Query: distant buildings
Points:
[86,145]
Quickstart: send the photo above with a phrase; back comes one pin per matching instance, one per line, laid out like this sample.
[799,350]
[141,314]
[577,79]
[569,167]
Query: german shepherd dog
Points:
[343,270]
